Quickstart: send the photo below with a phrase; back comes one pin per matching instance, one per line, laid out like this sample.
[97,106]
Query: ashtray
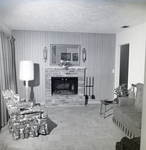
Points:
[109,101]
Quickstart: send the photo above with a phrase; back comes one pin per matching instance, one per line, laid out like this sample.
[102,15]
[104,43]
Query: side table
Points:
[106,103]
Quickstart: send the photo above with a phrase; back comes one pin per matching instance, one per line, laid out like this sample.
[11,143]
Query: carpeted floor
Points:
[77,128]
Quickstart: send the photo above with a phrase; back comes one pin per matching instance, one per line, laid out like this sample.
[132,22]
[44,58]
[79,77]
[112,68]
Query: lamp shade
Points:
[26,70]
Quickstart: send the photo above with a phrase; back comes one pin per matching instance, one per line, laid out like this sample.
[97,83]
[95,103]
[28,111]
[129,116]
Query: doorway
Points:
[124,64]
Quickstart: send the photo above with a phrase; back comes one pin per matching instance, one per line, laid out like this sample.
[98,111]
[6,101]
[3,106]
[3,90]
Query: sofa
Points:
[127,115]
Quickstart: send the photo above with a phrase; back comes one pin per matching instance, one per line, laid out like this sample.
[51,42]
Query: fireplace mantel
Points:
[63,68]
[56,71]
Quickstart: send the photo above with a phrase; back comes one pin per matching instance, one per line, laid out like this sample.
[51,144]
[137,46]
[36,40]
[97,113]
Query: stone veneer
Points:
[78,99]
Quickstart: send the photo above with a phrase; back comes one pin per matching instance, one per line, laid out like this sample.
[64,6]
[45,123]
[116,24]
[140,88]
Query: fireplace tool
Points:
[86,96]
[89,85]
[92,86]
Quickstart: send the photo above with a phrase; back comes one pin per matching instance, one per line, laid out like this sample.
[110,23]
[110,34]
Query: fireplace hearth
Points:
[64,85]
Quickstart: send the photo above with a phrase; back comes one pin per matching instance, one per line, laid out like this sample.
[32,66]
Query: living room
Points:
[103,53]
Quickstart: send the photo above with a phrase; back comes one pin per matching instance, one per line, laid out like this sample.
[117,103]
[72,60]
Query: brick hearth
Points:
[53,100]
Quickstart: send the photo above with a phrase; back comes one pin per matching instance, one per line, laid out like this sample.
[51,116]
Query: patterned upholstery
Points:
[128,144]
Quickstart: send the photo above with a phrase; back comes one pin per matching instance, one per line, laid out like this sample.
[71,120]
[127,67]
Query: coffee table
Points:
[106,103]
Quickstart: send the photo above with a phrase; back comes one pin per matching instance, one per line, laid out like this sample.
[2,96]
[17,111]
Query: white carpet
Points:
[78,128]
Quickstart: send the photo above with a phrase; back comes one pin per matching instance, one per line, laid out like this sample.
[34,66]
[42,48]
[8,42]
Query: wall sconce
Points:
[45,53]
[84,55]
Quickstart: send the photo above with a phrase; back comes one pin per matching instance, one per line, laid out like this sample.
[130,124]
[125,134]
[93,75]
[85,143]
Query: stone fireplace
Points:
[65,87]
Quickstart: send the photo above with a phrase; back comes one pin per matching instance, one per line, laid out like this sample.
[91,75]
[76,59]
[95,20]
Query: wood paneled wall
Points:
[100,57]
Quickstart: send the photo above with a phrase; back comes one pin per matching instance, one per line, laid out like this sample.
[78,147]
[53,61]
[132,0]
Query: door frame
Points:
[117,64]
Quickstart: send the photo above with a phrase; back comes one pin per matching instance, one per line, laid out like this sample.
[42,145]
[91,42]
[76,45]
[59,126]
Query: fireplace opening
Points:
[64,85]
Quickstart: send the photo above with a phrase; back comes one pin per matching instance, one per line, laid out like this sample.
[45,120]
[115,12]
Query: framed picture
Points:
[75,56]
[66,56]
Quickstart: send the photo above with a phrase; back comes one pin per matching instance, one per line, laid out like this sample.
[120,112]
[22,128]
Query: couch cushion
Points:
[120,110]
[132,120]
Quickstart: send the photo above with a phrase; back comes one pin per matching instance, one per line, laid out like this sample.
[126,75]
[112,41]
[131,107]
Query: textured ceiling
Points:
[92,16]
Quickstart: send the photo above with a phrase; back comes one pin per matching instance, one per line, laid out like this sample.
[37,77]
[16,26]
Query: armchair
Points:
[26,120]
[127,115]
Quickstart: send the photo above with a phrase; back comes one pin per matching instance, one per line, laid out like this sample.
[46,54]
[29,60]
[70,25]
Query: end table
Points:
[106,103]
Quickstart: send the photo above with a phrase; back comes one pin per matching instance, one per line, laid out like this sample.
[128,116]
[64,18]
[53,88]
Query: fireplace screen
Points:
[64,85]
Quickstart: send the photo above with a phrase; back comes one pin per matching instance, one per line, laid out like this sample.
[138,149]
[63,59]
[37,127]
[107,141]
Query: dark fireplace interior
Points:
[64,85]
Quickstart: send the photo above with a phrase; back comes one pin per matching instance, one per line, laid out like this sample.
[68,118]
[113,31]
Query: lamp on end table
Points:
[26,73]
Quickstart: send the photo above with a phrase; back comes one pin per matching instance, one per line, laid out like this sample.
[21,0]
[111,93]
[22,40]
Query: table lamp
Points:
[26,73]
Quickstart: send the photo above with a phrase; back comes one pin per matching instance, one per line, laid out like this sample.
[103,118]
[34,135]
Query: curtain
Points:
[7,72]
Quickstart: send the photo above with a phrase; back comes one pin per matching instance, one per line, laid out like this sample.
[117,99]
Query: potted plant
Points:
[121,91]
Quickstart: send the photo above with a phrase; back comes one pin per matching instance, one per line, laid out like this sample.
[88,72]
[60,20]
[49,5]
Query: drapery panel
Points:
[7,72]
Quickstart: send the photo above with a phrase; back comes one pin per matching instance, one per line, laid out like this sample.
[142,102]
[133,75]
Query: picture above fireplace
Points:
[65,52]
[64,85]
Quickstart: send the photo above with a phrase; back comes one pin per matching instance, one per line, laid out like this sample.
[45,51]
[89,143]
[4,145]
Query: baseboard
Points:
[90,101]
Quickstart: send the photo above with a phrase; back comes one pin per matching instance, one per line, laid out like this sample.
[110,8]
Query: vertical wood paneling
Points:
[100,57]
